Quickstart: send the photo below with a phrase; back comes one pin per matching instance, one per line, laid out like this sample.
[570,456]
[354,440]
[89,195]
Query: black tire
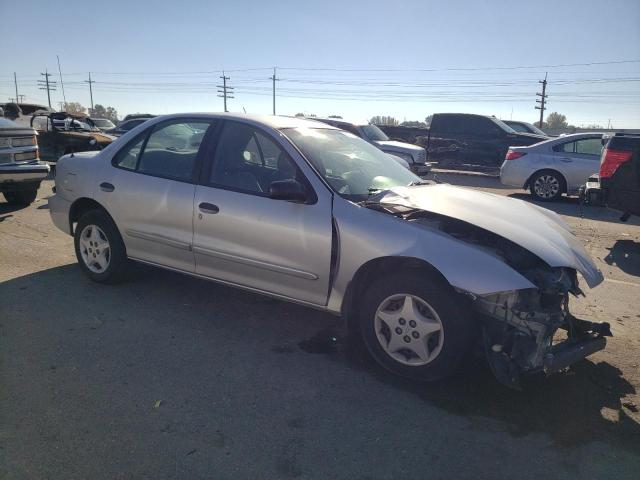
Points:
[21,197]
[551,187]
[118,262]
[458,328]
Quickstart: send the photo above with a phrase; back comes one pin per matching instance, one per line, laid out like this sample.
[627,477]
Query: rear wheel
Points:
[99,248]
[21,197]
[547,186]
[416,326]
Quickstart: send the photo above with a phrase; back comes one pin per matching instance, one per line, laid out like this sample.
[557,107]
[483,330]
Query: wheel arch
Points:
[81,206]
[563,179]
[381,266]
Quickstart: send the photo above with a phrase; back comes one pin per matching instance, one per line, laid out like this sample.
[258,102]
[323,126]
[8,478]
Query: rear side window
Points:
[568,147]
[589,146]
[447,123]
[480,126]
[168,150]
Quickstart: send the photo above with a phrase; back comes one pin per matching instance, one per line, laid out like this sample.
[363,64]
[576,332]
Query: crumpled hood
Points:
[537,229]
[399,146]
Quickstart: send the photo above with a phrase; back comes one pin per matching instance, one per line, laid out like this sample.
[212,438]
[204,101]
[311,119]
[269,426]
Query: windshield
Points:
[353,167]
[373,133]
[503,125]
[534,129]
[518,127]
[103,123]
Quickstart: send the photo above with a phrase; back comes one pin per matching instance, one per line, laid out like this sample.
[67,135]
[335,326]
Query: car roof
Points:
[274,121]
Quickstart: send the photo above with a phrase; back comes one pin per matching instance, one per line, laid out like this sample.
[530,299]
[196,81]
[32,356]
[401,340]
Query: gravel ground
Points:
[168,376]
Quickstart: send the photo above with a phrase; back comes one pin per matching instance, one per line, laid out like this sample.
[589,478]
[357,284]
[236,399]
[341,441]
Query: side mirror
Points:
[290,190]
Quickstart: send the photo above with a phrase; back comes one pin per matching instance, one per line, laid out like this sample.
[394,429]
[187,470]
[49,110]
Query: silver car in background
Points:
[549,169]
[312,214]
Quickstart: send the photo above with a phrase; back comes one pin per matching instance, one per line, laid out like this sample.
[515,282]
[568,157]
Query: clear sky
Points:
[407,59]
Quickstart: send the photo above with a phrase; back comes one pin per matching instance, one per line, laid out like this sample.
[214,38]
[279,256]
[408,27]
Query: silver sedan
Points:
[311,214]
[553,167]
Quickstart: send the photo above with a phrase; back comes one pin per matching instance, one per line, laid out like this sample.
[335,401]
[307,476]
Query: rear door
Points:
[148,189]
[578,160]
[244,237]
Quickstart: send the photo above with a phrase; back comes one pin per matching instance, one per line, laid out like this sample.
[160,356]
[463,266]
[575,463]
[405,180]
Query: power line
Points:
[457,69]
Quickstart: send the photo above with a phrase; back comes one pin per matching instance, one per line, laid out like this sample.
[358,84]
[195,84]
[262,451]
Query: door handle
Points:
[208,208]
[566,159]
[107,187]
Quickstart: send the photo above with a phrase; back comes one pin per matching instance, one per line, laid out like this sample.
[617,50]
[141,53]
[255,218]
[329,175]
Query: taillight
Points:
[612,160]
[512,155]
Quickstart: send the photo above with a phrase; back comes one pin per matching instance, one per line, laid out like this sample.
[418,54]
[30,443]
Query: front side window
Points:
[351,166]
[247,160]
[167,150]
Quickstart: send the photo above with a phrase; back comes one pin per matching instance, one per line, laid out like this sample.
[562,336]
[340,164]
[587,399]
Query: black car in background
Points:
[471,142]
[524,127]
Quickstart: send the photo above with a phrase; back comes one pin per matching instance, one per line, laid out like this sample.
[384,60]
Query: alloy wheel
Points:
[409,330]
[546,186]
[95,249]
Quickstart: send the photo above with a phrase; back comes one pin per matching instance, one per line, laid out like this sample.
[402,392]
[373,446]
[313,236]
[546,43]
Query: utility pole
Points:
[21,98]
[274,78]
[543,99]
[225,90]
[90,82]
[64,97]
[48,85]
[15,82]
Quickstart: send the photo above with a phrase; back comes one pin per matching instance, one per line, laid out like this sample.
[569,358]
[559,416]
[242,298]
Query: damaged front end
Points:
[520,331]
[528,330]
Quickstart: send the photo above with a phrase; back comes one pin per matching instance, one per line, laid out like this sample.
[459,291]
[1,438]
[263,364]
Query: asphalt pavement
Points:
[171,377]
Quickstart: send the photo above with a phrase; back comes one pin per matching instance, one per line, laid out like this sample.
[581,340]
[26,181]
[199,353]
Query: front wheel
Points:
[99,248]
[21,197]
[416,326]
[546,186]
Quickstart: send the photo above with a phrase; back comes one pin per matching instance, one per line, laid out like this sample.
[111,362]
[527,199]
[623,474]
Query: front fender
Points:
[465,266]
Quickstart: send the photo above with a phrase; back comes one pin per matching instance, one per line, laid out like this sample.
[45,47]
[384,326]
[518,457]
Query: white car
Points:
[551,168]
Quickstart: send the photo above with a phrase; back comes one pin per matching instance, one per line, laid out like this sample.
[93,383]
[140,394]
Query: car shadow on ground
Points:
[585,404]
[6,208]
[625,254]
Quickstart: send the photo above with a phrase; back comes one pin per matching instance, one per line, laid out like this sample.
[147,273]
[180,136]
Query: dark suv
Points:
[618,183]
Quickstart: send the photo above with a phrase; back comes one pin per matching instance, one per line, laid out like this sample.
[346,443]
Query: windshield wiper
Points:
[419,182]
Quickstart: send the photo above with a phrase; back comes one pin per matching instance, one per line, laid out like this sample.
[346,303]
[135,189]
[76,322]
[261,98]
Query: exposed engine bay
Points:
[521,329]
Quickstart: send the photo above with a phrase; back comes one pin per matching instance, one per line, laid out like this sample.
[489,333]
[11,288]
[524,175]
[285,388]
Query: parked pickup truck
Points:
[20,170]
[471,142]
[618,183]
